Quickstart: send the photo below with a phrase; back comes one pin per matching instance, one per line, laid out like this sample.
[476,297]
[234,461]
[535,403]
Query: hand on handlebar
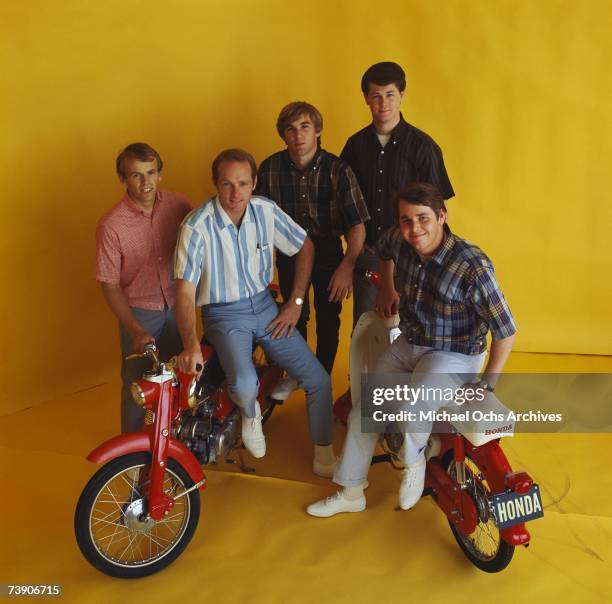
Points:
[191,361]
[140,341]
[387,303]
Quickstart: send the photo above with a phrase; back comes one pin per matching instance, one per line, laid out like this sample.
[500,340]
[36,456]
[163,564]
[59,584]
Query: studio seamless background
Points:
[517,94]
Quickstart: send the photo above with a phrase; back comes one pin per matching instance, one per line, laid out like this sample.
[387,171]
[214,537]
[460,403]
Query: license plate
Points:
[512,508]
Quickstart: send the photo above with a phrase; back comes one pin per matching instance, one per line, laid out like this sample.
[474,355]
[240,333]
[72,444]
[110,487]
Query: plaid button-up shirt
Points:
[410,155]
[324,199]
[451,300]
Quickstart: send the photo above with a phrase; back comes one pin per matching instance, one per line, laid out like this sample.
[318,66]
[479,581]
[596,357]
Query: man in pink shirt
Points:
[135,243]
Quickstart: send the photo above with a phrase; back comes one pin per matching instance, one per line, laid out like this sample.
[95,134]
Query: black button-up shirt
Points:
[410,155]
[451,300]
[324,198]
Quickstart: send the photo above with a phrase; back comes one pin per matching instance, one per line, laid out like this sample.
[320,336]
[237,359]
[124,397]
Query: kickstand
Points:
[243,467]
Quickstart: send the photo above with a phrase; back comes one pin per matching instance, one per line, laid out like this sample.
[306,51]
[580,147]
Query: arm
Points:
[185,320]
[500,351]
[284,323]
[387,299]
[115,298]
[341,284]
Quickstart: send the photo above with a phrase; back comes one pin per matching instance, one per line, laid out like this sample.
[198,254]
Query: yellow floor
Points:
[255,543]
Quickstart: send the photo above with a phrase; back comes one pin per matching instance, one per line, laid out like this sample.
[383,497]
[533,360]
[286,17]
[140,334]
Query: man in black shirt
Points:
[320,192]
[386,156]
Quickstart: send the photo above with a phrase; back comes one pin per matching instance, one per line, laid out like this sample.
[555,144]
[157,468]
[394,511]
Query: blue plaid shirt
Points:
[451,300]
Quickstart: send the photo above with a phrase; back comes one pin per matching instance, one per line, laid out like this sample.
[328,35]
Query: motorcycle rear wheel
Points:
[485,547]
[112,530]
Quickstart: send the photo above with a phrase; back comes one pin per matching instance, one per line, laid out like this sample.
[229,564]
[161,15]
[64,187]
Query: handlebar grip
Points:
[199,366]
[150,346]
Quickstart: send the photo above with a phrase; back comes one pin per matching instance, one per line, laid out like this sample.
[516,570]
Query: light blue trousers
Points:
[422,362]
[233,328]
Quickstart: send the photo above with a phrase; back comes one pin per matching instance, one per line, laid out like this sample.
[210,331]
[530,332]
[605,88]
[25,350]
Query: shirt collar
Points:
[223,220]
[132,206]
[397,134]
[313,165]
[446,248]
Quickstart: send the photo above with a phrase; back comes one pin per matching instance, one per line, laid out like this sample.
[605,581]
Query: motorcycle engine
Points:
[206,437]
[224,435]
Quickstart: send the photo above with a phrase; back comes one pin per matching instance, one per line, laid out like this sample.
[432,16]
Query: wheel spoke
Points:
[120,530]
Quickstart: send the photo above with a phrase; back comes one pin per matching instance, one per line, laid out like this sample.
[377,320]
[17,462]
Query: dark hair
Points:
[237,155]
[293,111]
[139,151]
[420,194]
[383,74]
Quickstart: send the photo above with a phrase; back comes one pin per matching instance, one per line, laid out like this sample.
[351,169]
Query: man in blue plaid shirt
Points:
[448,299]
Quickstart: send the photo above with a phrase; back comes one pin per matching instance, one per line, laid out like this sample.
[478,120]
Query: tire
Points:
[484,547]
[109,528]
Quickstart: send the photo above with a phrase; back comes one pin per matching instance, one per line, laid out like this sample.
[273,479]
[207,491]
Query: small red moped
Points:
[468,475]
[139,511]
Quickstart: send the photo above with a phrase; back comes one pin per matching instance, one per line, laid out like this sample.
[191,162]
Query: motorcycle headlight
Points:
[137,394]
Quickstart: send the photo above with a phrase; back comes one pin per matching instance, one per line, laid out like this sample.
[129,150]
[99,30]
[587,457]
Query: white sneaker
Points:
[326,470]
[282,391]
[413,482]
[252,434]
[336,504]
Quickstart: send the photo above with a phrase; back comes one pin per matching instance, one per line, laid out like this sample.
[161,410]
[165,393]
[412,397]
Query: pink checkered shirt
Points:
[136,251]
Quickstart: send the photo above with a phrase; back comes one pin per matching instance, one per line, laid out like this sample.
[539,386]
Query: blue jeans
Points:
[421,362]
[233,328]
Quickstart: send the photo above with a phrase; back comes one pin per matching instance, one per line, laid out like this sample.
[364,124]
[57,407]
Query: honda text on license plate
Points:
[512,508]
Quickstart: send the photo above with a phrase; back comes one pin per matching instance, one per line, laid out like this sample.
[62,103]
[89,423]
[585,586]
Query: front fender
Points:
[137,442]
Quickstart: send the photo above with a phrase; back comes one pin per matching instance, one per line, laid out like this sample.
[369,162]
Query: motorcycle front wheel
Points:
[112,528]
[484,547]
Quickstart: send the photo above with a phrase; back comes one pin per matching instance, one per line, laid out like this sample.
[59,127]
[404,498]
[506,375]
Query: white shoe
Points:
[326,470]
[336,504]
[252,434]
[412,485]
[282,391]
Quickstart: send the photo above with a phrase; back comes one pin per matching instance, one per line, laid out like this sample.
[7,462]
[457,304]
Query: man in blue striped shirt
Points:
[224,263]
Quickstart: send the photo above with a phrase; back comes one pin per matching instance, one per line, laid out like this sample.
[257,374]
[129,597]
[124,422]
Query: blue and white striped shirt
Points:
[230,263]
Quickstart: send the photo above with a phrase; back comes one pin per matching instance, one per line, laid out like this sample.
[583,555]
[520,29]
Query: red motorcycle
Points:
[468,475]
[139,511]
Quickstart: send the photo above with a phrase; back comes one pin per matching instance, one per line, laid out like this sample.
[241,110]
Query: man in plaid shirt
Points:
[320,192]
[448,301]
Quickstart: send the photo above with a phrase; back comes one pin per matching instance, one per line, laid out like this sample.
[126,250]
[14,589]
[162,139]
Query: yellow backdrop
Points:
[517,93]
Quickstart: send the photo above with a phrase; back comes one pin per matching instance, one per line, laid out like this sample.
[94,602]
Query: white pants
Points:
[422,362]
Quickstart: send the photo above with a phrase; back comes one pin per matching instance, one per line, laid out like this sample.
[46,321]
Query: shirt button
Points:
[303,195]
[420,266]
[380,190]
[378,228]
[394,142]
[303,177]
[382,152]
[378,209]
[380,171]
[410,339]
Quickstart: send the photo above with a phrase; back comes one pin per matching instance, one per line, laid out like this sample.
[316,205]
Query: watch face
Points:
[299,301]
